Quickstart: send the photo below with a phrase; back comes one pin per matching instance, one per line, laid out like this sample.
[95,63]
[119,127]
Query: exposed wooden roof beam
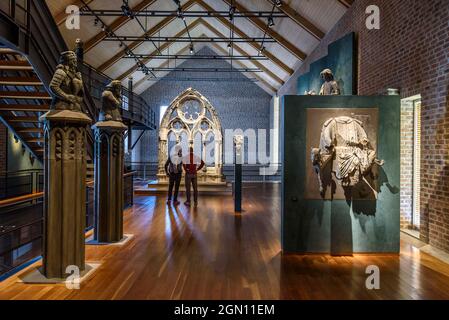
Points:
[164,46]
[115,25]
[218,33]
[300,20]
[150,32]
[242,34]
[262,25]
[244,53]
[61,17]
[187,48]
[141,81]
[265,83]
[346,3]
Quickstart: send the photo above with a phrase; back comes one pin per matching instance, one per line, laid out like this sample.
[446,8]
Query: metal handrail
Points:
[140,111]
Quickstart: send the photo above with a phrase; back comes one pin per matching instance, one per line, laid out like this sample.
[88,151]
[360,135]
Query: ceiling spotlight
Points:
[180,14]
[271,22]
[103,28]
[96,22]
[262,49]
[191,49]
[231,13]
[127,10]
[278,3]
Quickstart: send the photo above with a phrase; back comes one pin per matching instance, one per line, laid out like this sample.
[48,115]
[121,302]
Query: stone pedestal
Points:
[109,166]
[65,191]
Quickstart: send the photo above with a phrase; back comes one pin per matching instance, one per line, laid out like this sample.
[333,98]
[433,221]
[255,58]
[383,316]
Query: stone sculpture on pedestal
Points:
[109,167]
[65,172]
[330,86]
[344,145]
[238,148]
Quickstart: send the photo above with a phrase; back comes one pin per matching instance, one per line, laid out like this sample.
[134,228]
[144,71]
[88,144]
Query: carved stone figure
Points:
[238,142]
[344,145]
[111,102]
[109,168]
[330,86]
[67,84]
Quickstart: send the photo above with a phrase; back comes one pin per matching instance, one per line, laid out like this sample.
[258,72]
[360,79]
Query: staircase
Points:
[29,54]
[23,99]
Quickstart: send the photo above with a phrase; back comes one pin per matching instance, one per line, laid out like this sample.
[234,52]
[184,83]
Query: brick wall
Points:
[240,104]
[409,52]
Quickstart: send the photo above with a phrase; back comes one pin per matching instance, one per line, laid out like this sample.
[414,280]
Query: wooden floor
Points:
[210,253]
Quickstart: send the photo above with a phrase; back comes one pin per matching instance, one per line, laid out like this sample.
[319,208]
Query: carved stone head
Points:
[69,59]
[327,75]
[115,87]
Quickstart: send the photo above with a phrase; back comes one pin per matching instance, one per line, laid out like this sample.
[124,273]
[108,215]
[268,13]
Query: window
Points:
[416,163]
[162,110]
[410,162]
[125,102]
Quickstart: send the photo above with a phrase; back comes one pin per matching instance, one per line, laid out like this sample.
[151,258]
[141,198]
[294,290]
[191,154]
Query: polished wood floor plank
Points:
[211,253]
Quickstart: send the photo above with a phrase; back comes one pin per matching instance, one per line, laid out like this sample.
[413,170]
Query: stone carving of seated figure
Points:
[111,102]
[344,146]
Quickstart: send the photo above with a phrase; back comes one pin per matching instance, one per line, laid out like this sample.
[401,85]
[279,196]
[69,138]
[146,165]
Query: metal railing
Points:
[136,108]
[43,45]
[148,171]
[19,183]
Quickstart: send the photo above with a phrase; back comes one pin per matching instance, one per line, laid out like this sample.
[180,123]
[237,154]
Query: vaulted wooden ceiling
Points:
[288,43]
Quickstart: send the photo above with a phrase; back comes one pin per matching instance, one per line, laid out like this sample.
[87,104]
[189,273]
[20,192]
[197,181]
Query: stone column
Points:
[65,191]
[109,170]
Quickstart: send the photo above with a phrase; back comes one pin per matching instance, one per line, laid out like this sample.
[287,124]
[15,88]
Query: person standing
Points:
[173,169]
[192,164]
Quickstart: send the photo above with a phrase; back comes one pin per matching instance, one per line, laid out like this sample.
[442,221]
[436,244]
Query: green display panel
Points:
[339,222]
[342,60]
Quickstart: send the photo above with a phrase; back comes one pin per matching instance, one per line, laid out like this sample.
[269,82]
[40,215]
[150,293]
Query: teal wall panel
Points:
[341,59]
[325,226]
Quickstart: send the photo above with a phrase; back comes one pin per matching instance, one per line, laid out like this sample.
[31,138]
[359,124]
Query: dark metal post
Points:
[238,144]
[79,50]
[131,110]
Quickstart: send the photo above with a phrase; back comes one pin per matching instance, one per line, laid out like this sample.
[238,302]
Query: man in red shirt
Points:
[192,164]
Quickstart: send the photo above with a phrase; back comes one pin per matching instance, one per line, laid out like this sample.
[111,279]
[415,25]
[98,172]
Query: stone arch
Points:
[193,113]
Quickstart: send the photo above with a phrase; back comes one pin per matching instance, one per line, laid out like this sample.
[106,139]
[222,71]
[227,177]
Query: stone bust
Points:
[111,102]
[330,86]
[66,86]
